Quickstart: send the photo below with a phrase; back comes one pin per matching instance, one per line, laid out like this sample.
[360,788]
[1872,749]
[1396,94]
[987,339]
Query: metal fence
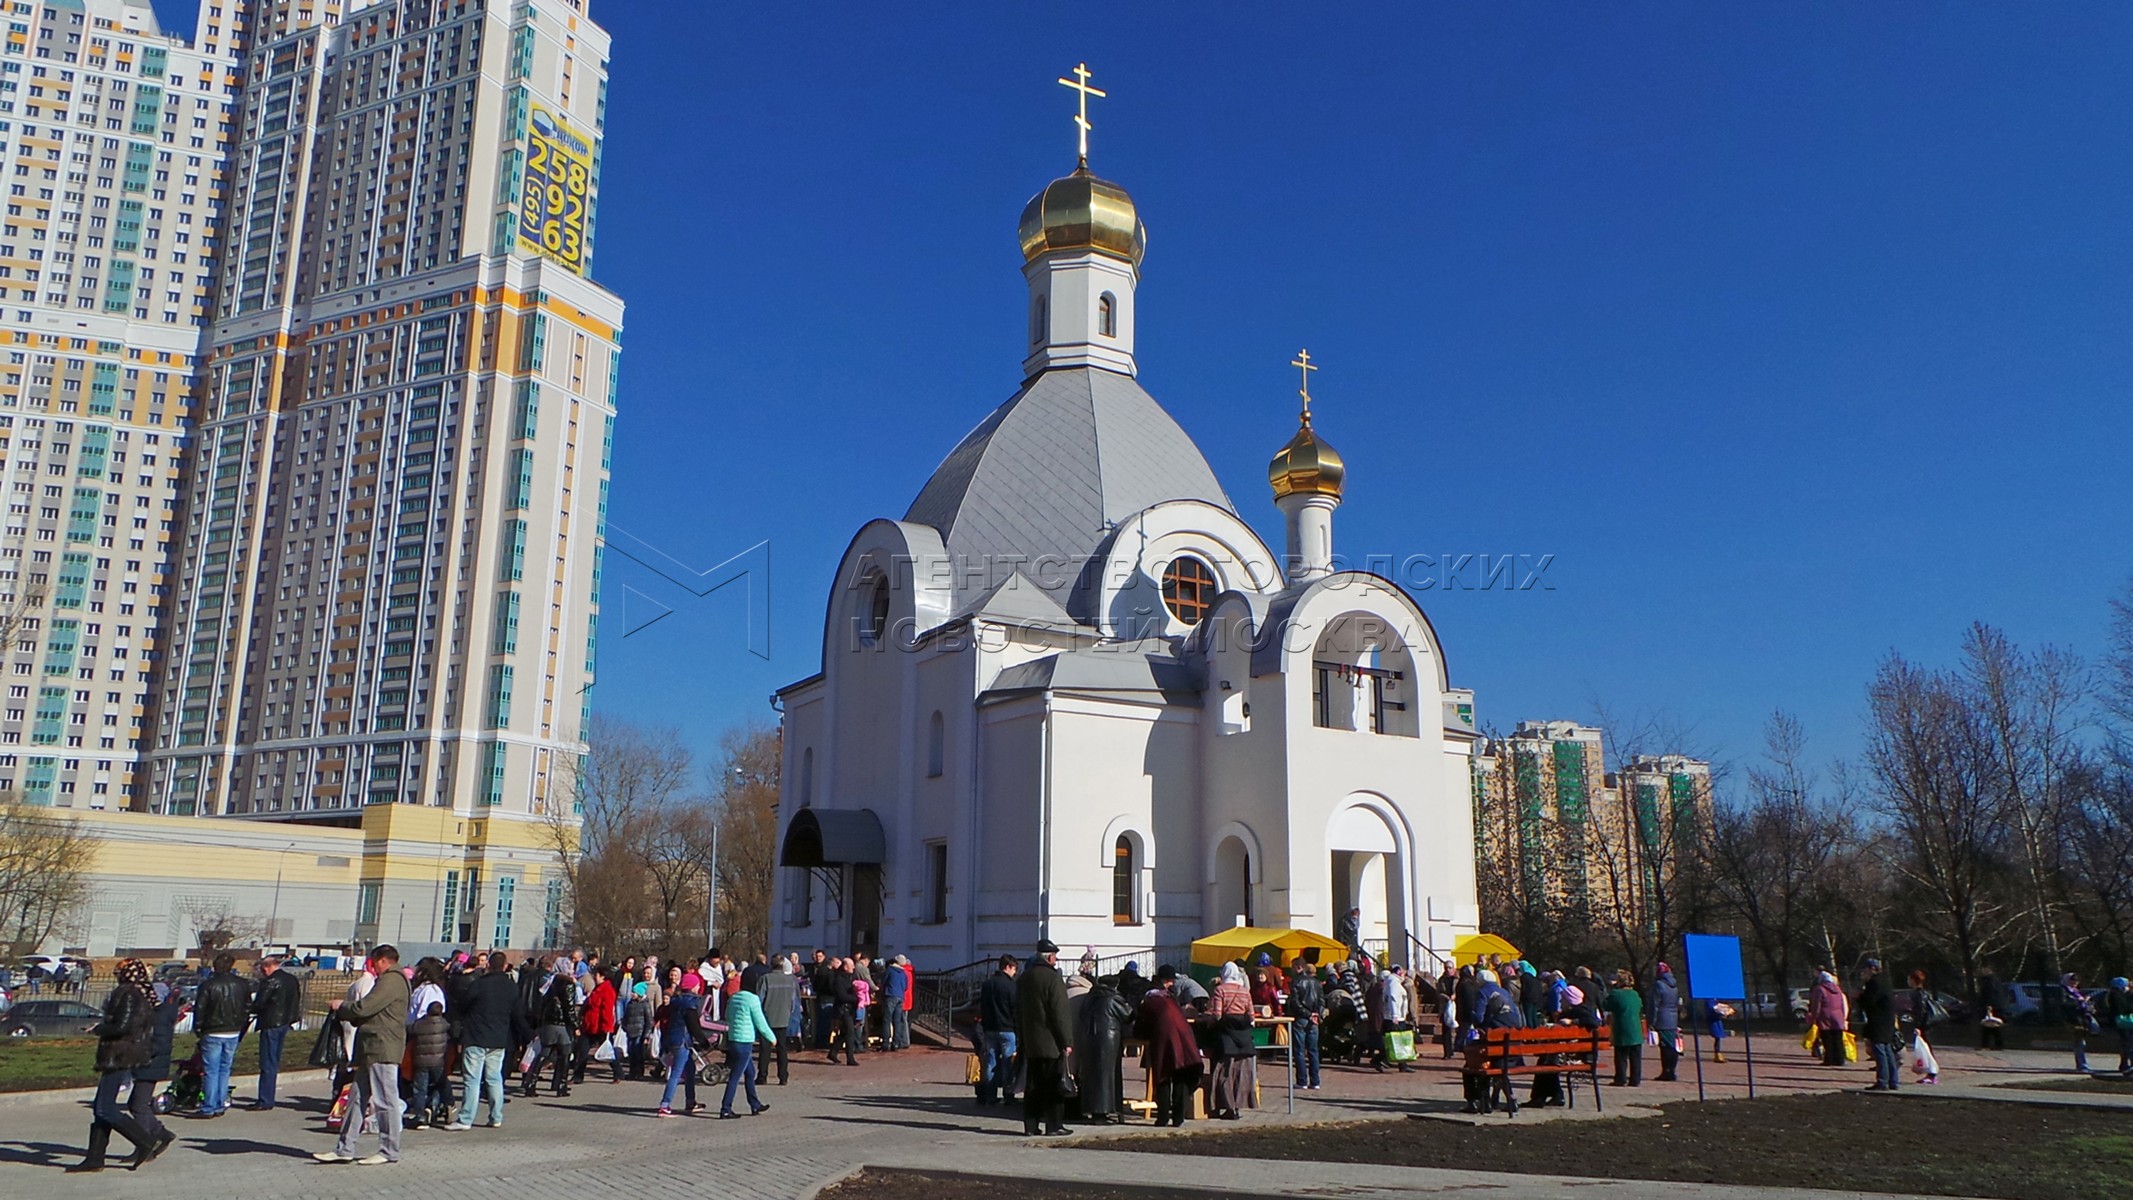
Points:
[321,988]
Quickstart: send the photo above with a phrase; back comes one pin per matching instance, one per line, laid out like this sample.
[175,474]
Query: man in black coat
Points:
[1877,1006]
[1045,1033]
[490,1023]
[277,1005]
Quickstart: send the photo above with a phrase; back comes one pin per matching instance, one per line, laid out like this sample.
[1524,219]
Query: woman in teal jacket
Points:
[745,1026]
[1625,1013]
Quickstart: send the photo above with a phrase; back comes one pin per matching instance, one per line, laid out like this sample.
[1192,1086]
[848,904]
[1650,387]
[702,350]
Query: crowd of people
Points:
[431,1044]
[434,1042]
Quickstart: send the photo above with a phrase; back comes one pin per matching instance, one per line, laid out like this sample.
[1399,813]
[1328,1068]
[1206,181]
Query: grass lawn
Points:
[35,1064]
[2112,1085]
[1844,1141]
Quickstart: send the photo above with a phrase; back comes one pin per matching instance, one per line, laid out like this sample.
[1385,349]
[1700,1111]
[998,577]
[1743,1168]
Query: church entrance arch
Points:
[1369,872]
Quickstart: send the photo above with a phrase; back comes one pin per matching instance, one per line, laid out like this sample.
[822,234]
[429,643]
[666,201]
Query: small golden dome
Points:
[1307,466]
[1082,212]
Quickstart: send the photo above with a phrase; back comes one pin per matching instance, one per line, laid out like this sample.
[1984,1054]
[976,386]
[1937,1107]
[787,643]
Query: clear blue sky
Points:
[1796,332]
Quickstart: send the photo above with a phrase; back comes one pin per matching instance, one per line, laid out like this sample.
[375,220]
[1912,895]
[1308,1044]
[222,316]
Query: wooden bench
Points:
[1493,1056]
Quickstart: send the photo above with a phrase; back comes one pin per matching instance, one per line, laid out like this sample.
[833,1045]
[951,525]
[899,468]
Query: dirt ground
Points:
[1841,1141]
[877,1184]
[2108,1084]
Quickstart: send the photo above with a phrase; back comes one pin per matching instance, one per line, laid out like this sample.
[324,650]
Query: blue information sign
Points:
[1714,966]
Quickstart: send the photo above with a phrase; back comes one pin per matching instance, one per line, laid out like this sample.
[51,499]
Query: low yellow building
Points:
[415,876]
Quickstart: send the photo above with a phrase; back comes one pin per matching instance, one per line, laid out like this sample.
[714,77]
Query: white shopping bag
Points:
[1922,1059]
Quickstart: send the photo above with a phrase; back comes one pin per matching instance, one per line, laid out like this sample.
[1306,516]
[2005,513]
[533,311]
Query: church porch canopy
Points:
[820,837]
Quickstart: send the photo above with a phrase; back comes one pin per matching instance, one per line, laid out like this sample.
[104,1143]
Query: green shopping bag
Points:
[1400,1046]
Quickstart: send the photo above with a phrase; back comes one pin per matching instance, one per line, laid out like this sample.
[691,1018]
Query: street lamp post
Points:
[281,858]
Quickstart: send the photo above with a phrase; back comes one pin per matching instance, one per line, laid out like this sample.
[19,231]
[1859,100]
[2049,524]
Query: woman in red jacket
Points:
[598,1025]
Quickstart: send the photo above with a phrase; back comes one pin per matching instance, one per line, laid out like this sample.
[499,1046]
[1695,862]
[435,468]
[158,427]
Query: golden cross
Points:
[1080,83]
[1302,362]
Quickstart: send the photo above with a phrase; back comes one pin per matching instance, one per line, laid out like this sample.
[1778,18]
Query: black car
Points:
[50,1018]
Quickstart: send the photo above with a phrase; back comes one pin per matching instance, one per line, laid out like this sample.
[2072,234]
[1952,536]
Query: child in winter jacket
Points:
[429,1097]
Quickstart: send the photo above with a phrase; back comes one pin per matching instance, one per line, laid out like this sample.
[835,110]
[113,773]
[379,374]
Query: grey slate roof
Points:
[1103,671]
[1040,476]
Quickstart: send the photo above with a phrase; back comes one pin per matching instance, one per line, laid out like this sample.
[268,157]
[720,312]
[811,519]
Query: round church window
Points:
[1188,589]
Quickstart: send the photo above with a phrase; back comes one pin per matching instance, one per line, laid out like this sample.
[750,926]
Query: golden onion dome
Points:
[1082,212]
[1307,466]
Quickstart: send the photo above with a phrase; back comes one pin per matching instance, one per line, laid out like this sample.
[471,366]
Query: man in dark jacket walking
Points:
[380,1018]
[490,1023]
[996,1034]
[1877,1005]
[221,1012]
[1046,1034]
[277,1005]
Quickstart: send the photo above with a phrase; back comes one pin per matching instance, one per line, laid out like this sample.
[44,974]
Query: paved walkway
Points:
[903,1110]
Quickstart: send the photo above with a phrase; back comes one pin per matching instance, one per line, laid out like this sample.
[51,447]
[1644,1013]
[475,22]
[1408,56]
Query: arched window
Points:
[936,746]
[1188,589]
[1036,321]
[875,622]
[1107,315]
[1125,882]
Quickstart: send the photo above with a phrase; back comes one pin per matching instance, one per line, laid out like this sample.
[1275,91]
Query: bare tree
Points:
[1776,858]
[620,790]
[46,856]
[2025,705]
[2117,682]
[1649,854]
[747,836]
[1930,761]
[217,925]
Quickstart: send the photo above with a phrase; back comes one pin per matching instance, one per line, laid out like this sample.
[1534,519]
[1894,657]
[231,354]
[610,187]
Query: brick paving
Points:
[902,1110]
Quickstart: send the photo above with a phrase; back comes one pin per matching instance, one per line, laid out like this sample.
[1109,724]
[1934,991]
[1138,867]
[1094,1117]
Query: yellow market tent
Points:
[1244,942]
[1476,946]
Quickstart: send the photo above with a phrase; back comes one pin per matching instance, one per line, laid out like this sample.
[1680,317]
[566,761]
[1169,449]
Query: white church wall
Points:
[1006,835]
[1122,766]
[938,803]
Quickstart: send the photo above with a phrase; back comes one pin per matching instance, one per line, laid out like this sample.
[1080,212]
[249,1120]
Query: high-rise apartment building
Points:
[113,137]
[1559,837]
[386,588]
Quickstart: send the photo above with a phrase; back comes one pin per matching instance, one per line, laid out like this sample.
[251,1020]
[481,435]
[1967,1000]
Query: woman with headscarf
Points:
[1173,1054]
[124,1043]
[1235,1058]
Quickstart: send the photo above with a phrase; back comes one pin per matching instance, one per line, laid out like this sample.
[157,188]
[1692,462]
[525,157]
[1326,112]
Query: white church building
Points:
[1071,694]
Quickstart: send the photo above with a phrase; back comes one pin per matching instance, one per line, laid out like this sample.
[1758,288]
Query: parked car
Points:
[51,1018]
[2033,1003]
[6,1001]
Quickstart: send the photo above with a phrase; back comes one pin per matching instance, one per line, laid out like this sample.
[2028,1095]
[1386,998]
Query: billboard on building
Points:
[556,205]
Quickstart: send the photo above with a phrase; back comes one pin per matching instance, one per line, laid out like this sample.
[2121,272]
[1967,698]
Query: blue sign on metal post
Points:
[1715,974]
[1714,967]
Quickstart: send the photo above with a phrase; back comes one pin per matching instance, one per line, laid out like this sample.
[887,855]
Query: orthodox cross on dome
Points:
[1303,363]
[1080,83]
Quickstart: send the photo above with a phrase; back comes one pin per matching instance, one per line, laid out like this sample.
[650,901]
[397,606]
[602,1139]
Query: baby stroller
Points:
[1341,1034]
[711,1065]
[187,1089]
